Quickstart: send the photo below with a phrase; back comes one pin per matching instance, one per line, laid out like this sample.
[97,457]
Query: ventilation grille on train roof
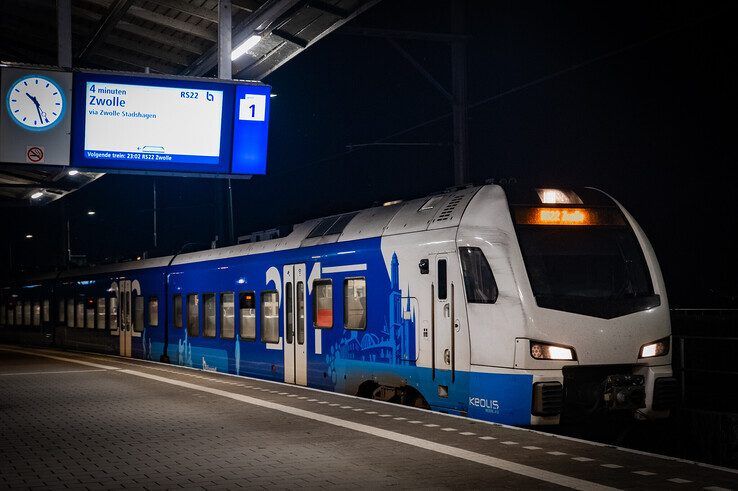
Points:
[449,208]
[331,225]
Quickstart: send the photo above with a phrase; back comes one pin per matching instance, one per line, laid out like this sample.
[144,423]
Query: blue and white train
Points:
[518,307]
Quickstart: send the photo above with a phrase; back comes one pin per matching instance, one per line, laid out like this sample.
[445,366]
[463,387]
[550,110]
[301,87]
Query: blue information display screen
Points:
[169,125]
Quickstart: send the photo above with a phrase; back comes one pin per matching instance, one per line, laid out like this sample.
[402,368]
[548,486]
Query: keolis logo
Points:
[489,405]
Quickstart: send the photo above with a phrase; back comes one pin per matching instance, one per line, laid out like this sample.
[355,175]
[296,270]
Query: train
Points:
[518,306]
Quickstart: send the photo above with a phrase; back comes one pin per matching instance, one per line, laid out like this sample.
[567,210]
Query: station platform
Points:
[77,420]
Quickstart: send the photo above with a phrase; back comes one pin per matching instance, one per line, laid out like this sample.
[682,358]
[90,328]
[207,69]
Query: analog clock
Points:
[36,103]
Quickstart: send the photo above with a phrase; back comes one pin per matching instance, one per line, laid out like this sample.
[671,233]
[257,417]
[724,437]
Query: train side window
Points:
[208,324]
[269,317]
[354,303]
[193,314]
[113,317]
[36,313]
[138,313]
[70,312]
[323,304]
[247,315]
[479,282]
[300,312]
[45,314]
[27,313]
[442,280]
[177,307]
[60,312]
[3,317]
[153,311]
[227,322]
[288,313]
[101,313]
[90,313]
[79,313]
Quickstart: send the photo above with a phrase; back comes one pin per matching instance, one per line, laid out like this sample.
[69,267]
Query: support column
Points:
[460,104]
[225,67]
[64,32]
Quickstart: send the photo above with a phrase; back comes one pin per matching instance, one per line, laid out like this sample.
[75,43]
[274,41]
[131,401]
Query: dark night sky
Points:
[645,118]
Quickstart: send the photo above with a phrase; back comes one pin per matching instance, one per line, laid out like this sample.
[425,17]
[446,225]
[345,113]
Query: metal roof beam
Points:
[188,8]
[302,43]
[247,5]
[142,32]
[115,13]
[328,8]
[176,24]
[266,14]
[260,68]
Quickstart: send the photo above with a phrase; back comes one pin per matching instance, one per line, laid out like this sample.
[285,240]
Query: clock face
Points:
[36,103]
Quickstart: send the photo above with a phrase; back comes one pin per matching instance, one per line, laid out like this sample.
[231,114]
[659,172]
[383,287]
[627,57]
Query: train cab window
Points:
[479,282]
[153,311]
[45,314]
[193,314]
[90,313]
[70,312]
[79,313]
[323,304]
[101,313]
[227,324]
[247,315]
[177,307]
[208,324]
[113,317]
[354,303]
[138,313]
[269,317]
[442,280]
[36,313]
[60,311]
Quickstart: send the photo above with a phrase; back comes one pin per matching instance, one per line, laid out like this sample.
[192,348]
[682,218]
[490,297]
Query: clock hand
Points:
[35,101]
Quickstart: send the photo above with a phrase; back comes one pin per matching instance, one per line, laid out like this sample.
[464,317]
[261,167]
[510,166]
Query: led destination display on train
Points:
[156,124]
[137,123]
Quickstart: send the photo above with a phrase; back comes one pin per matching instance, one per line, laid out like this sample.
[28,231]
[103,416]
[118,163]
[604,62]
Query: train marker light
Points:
[657,348]
[558,197]
[543,351]
[29,236]
[91,212]
[242,48]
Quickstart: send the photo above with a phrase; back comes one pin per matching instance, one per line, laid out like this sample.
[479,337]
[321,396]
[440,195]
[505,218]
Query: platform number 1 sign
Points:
[252,107]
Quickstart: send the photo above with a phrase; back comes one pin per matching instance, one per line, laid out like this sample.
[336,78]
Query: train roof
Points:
[435,211]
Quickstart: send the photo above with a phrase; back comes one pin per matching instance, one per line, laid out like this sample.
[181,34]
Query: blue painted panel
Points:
[501,398]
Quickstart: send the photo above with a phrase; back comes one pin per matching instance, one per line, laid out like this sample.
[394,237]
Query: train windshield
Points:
[584,261]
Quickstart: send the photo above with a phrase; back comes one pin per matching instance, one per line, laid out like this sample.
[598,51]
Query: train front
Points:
[583,301]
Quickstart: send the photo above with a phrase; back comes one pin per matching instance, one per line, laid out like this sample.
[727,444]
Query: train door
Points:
[444,326]
[295,352]
[125,317]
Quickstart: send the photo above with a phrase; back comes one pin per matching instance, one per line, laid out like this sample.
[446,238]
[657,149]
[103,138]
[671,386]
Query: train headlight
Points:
[543,351]
[657,348]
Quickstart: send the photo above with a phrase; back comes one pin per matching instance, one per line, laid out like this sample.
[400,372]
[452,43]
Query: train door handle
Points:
[446,310]
[447,356]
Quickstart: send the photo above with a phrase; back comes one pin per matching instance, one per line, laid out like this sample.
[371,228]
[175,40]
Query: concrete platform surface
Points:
[75,420]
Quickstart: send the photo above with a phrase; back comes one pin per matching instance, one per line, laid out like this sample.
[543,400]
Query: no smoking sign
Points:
[35,155]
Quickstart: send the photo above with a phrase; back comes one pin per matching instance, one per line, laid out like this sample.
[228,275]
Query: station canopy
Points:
[173,37]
